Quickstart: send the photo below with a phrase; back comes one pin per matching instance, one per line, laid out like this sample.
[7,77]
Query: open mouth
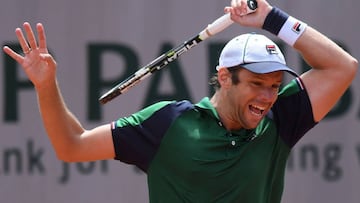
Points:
[257,110]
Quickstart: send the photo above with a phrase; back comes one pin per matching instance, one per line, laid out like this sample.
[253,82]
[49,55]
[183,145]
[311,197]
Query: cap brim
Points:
[268,67]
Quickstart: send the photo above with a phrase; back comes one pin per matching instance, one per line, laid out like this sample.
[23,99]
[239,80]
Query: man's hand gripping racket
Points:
[215,27]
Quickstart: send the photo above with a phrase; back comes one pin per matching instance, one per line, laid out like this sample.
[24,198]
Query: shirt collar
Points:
[206,105]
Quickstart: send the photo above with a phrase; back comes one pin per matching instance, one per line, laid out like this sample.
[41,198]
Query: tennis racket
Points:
[157,64]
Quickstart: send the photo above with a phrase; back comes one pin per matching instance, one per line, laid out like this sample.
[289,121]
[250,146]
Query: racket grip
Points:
[224,21]
[215,27]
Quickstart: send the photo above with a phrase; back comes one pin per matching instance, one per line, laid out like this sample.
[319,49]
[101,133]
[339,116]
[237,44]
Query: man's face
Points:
[252,98]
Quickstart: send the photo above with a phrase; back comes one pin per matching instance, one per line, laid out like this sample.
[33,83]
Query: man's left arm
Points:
[332,71]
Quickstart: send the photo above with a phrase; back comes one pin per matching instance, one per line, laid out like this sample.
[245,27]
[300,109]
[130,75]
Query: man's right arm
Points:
[69,139]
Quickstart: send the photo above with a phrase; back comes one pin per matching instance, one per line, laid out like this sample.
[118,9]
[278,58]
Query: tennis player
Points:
[232,147]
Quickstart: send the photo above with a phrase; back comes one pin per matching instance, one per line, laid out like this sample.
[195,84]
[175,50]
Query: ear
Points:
[224,78]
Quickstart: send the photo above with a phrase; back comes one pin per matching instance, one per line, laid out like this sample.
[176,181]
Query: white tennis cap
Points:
[254,52]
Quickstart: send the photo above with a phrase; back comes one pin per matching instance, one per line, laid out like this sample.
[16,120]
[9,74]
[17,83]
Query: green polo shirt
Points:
[190,157]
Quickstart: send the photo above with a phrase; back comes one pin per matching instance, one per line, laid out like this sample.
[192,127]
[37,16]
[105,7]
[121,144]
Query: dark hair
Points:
[234,77]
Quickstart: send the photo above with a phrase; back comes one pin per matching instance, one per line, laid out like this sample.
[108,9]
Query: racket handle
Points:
[215,27]
[224,21]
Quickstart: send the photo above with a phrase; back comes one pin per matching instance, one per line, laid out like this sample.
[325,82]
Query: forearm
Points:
[62,128]
[317,50]
[322,53]
[332,69]
[69,139]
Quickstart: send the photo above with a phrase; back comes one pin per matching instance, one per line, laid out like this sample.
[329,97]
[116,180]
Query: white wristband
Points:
[292,30]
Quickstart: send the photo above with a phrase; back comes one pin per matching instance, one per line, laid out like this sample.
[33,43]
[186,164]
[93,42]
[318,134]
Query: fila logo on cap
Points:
[271,49]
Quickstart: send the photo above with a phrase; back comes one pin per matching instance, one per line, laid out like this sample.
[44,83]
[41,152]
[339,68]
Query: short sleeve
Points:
[293,113]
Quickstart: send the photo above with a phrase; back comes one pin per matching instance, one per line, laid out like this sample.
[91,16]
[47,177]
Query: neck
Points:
[224,111]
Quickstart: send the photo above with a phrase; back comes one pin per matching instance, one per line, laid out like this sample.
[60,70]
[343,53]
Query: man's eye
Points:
[257,83]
